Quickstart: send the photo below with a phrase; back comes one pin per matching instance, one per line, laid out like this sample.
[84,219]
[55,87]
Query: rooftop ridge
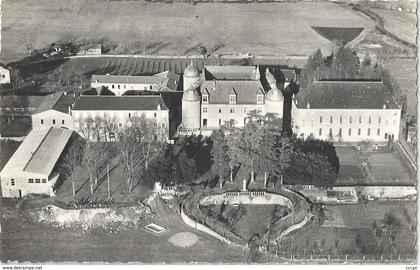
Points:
[348,81]
[39,145]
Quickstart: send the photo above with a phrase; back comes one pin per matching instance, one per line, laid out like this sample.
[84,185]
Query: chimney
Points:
[308,106]
[384,106]
[214,85]
[69,110]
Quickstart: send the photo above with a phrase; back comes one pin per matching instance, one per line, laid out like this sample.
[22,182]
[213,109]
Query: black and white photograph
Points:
[208,132]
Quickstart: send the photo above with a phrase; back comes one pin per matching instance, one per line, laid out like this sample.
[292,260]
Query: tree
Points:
[376,230]
[72,158]
[407,217]
[220,155]
[233,153]
[267,161]
[393,225]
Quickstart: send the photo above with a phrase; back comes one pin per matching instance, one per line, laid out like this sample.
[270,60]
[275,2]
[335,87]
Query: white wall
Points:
[21,180]
[4,75]
[307,121]
[120,88]
[46,119]
[240,113]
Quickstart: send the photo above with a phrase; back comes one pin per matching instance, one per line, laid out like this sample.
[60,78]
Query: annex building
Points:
[32,168]
[346,111]
[166,81]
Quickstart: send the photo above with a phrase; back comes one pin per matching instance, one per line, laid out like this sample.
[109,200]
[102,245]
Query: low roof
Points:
[346,95]
[230,72]
[119,103]
[167,79]
[219,91]
[57,101]
[39,152]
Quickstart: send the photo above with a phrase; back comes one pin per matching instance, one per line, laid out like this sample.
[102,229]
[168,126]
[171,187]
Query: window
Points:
[378,132]
[320,131]
[232,110]
[155,114]
[44,180]
[259,110]
[53,121]
[42,121]
[220,122]
[370,120]
[232,122]
[368,132]
[379,120]
[30,181]
[155,124]
[204,122]
[163,125]
[341,119]
[129,115]
[62,122]
[119,124]
[360,119]
[151,87]
[37,180]
[320,119]
[330,132]
[349,131]
[4,76]
[260,99]
[351,120]
[311,134]
[112,136]
[12,182]
[244,109]
[205,99]
[359,131]
[220,109]
[244,121]
[125,86]
[119,87]
[331,119]
[232,99]
[204,109]
[113,86]
[339,132]
[386,135]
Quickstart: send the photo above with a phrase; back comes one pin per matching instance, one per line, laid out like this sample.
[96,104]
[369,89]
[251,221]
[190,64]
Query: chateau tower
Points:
[191,109]
[191,77]
[274,97]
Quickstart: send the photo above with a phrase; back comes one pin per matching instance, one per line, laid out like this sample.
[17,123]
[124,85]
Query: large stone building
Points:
[118,110]
[166,81]
[348,111]
[222,95]
[32,168]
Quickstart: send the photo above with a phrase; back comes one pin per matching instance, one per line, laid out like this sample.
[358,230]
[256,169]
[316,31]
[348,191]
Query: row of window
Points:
[351,119]
[125,87]
[359,132]
[53,121]
[231,121]
[232,99]
[36,180]
[232,110]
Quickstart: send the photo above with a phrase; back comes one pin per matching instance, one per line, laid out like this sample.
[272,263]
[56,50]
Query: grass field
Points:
[402,24]
[177,28]
[347,221]
[387,168]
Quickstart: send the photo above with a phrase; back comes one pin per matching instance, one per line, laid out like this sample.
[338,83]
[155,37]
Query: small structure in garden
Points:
[154,228]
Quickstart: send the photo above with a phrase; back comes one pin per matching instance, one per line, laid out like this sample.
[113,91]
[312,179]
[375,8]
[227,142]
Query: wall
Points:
[48,118]
[120,118]
[307,121]
[120,88]
[240,112]
[21,183]
[4,75]
[268,198]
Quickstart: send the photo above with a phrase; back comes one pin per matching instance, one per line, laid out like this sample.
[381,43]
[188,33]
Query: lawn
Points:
[345,222]
[402,24]
[221,28]
[387,168]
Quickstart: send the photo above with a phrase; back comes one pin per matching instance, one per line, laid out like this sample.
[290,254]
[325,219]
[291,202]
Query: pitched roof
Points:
[346,95]
[166,79]
[57,101]
[119,103]
[230,72]
[246,91]
[39,152]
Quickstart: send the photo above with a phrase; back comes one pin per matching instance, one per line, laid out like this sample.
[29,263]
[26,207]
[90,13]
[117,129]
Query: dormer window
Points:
[232,99]
[205,98]
[260,99]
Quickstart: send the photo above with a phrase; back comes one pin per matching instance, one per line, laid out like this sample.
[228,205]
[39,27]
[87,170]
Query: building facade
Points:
[31,169]
[117,111]
[346,111]
[225,95]
[4,74]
